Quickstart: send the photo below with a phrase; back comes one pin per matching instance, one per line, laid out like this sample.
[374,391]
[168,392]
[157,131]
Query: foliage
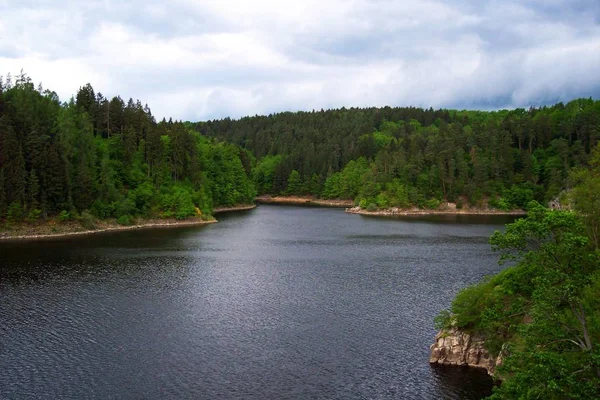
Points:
[110,157]
[34,215]
[124,220]
[64,216]
[543,311]
[513,156]
[15,212]
[87,220]
[586,195]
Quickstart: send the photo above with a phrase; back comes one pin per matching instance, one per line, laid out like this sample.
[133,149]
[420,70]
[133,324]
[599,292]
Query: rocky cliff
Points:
[454,347]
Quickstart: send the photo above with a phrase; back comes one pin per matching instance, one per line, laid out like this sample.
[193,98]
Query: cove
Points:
[275,302]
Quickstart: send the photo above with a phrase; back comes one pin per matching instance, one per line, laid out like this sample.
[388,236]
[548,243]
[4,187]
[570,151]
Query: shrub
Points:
[432,204]
[64,216]
[372,207]
[15,212]
[102,210]
[87,220]
[518,196]
[124,220]
[381,201]
[143,196]
[500,203]
[34,215]
[126,206]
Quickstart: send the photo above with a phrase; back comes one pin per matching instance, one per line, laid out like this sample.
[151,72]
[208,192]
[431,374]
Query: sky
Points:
[197,60]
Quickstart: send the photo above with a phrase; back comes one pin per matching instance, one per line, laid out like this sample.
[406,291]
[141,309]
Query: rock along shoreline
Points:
[74,229]
[458,348]
[417,211]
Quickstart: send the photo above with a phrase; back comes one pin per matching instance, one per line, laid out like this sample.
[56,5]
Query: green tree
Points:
[294,183]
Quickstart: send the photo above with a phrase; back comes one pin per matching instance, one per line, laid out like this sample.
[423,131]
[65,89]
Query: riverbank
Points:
[53,228]
[304,200]
[241,207]
[418,211]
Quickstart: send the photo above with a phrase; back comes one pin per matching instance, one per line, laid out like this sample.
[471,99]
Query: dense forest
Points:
[543,313]
[94,157]
[384,157]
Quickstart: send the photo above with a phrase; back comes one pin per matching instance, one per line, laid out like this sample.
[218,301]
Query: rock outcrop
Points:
[454,347]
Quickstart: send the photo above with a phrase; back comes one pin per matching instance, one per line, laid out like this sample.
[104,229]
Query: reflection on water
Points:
[277,302]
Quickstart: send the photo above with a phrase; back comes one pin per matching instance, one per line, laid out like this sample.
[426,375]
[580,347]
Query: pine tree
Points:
[33,190]
[13,163]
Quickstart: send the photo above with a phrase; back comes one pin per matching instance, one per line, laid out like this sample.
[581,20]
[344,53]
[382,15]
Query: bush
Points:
[102,210]
[87,220]
[518,196]
[178,203]
[381,201]
[500,203]
[15,212]
[143,196]
[64,216]
[34,215]
[126,206]
[432,204]
[124,220]
[372,207]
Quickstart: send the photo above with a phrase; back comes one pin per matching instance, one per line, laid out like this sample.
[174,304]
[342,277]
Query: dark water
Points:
[274,303]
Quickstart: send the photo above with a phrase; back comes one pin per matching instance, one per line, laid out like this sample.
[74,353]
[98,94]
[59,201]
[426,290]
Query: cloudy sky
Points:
[204,59]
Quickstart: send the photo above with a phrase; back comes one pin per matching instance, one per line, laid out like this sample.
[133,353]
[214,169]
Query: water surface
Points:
[273,303]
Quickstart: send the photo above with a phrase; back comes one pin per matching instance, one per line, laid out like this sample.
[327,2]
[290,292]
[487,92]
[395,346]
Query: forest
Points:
[98,158]
[95,157]
[386,157]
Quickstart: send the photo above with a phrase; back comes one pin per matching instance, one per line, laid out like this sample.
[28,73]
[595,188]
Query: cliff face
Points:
[454,347]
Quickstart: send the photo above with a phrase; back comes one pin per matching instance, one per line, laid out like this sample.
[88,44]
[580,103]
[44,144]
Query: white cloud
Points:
[204,59]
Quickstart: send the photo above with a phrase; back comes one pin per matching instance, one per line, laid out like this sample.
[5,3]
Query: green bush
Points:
[178,203]
[382,201]
[126,206]
[143,196]
[15,212]
[124,220]
[432,204]
[102,210]
[518,196]
[64,216]
[372,207]
[500,203]
[34,215]
[87,220]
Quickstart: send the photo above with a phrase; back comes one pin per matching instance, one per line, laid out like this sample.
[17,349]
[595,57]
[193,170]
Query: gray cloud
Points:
[205,59]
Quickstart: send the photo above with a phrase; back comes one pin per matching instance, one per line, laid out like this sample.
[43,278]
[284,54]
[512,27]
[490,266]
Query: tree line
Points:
[108,159]
[384,157]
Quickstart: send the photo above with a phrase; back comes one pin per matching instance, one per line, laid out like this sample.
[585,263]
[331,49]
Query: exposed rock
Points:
[454,347]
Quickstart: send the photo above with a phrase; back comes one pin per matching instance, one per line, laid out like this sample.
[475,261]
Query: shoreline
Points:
[241,207]
[392,212]
[72,228]
[304,200]
[106,227]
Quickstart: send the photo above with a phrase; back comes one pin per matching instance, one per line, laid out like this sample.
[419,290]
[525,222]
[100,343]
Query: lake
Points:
[279,302]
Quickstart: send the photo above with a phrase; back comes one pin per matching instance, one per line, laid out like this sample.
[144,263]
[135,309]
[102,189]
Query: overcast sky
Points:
[198,60]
